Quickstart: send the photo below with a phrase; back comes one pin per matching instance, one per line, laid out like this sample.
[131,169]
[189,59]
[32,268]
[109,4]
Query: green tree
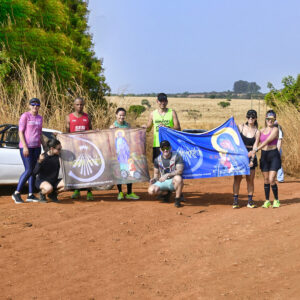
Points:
[54,34]
[289,94]
[242,86]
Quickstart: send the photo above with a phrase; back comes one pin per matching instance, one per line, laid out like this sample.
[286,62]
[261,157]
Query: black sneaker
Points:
[177,202]
[17,198]
[53,197]
[42,198]
[32,198]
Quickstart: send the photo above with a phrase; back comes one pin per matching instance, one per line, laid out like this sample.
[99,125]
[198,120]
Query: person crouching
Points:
[47,170]
[168,168]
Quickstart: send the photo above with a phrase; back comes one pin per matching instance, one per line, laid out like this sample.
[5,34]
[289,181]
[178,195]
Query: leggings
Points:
[29,163]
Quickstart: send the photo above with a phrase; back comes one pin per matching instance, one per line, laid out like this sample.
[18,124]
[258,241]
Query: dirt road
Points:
[109,249]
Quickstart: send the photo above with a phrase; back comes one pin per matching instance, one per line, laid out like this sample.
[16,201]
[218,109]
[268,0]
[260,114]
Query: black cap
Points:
[165,143]
[251,113]
[162,97]
[34,100]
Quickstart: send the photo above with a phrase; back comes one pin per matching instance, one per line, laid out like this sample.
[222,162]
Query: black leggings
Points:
[129,188]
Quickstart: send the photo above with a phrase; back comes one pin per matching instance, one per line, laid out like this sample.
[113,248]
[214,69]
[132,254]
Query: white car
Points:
[11,165]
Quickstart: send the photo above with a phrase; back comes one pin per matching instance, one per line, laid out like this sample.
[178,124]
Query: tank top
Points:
[249,142]
[124,125]
[166,119]
[264,137]
[79,124]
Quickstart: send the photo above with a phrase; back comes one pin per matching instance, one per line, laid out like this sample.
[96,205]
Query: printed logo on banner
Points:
[87,168]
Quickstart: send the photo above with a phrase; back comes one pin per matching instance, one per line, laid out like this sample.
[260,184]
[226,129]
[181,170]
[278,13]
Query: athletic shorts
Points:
[270,160]
[167,185]
[156,152]
[38,183]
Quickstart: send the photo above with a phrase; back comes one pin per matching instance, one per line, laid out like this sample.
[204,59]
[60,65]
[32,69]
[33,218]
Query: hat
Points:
[271,114]
[165,143]
[251,113]
[34,100]
[162,97]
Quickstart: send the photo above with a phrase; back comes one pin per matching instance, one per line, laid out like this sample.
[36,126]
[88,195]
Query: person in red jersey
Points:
[75,122]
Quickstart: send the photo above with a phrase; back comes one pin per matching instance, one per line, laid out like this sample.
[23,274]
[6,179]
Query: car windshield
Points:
[9,136]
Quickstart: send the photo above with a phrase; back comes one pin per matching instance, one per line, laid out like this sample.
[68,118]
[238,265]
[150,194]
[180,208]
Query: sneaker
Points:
[251,205]
[177,202]
[276,204]
[17,198]
[89,196]
[53,197]
[42,198]
[182,199]
[235,205]
[32,198]
[120,196]
[76,194]
[132,196]
[267,204]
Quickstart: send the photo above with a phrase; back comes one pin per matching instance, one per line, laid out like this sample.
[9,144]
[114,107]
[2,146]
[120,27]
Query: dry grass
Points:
[199,113]
[56,103]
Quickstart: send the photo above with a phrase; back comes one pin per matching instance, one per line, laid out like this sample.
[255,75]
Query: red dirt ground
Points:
[108,249]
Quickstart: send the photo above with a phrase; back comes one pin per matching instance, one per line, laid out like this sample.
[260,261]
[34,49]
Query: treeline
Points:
[211,95]
[241,90]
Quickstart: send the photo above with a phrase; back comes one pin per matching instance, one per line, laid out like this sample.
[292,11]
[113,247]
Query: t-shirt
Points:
[280,134]
[124,125]
[31,126]
[166,162]
[79,124]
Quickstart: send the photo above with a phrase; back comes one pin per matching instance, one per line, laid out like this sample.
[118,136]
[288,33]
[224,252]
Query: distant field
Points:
[199,113]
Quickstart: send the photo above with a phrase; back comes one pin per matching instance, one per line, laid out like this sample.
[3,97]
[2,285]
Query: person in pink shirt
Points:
[30,133]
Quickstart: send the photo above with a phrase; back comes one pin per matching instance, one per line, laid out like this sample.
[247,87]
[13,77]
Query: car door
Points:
[11,166]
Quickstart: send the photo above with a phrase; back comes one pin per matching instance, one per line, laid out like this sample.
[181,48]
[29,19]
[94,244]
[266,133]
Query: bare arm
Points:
[176,121]
[67,123]
[90,121]
[43,141]
[150,123]
[178,171]
[22,139]
[155,176]
[279,144]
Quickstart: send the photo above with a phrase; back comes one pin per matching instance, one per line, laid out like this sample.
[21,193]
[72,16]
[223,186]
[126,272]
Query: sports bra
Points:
[249,142]
[264,137]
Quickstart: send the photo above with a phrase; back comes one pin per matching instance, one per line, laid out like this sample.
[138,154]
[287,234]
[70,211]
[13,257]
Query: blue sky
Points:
[195,45]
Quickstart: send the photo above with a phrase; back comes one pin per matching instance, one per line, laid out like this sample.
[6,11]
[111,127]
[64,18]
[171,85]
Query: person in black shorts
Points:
[250,135]
[270,161]
[47,170]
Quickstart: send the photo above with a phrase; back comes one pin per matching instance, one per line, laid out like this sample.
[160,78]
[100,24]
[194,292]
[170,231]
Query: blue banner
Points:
[215,153]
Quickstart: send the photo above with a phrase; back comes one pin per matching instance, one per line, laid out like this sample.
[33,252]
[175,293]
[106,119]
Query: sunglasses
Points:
[165,149]
[35,104]
[251,117]
[270,119]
